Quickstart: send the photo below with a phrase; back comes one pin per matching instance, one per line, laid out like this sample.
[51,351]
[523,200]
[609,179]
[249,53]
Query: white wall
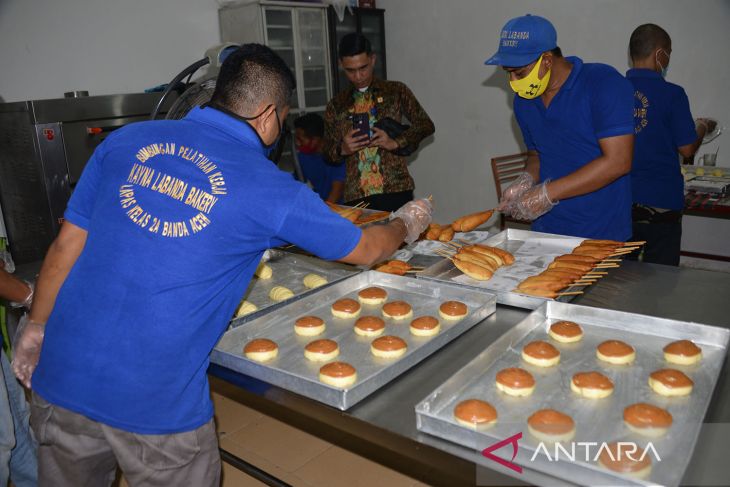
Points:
[438,48]
[49,47]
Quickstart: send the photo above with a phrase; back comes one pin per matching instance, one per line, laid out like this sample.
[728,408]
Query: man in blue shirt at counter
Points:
[327,180]
[577,123]
[162,235]
[664,128]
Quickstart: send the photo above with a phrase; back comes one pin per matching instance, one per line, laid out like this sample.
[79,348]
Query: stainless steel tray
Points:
[533,252]
[288,270]
[291,371]
[597,420]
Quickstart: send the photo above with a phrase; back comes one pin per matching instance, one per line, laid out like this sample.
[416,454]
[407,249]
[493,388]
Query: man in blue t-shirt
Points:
[577,123]
[327,180]
[664,129]
[162,235]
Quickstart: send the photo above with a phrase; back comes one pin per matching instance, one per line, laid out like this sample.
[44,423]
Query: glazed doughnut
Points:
[261,349]
[388,346]
[565,331]
[308,326]
[453,310]
[468,223]
[475,414]
[647,419]
[280,293]
[592,385]
[369,326]
[683,352]
[425,326]
[397,310]
[615,352]
[540,353]
[670,382]
[338,374]
[551,425]
[321,350]
[372,295]
[345,308]
[514,381]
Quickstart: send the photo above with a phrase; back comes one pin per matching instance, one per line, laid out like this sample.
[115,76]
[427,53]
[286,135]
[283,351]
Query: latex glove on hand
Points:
[416,215]
[27,349]
[519,186]
[534,203]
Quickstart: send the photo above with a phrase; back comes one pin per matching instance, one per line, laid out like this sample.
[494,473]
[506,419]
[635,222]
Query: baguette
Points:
[467,223]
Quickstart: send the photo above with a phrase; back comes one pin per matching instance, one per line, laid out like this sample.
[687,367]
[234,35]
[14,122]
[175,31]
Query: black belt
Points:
[647,214]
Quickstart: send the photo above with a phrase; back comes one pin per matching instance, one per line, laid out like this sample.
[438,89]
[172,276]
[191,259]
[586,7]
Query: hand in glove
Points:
[416,215]
[519,186]
[534,203]
[27,349]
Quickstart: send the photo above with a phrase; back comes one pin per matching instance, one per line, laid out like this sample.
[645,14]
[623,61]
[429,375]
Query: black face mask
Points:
[268,147]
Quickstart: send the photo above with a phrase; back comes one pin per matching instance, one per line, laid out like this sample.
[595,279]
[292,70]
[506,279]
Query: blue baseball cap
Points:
[523,40]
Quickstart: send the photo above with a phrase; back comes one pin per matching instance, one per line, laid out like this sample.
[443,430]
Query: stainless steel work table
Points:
[383,426]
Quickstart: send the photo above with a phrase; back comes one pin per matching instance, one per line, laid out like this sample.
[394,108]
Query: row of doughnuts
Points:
[552,425]
[342,374]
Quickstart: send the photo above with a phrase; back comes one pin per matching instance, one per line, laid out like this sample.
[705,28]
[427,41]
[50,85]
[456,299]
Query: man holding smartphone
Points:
[376,167]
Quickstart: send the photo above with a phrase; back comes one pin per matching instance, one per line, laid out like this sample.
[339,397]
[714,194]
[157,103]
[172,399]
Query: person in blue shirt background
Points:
[327,180]
[161,238]
[664,130]
[577,123]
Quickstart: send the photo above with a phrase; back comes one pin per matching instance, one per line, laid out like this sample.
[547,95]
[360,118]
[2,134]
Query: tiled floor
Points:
[291,455]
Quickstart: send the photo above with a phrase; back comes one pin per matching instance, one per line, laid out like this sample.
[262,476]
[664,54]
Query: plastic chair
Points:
[505,170]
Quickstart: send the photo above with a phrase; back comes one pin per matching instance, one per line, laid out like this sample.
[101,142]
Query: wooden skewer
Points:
[417,268]
[595,273]
[607,266]
[611,260]
[413,271]
[451,244]
[570,293]
[587,279]
[581,283]
[639,242]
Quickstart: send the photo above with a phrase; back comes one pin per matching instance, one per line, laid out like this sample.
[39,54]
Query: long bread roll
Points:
[447,234]
[467,223]
[482,260]
[475,271]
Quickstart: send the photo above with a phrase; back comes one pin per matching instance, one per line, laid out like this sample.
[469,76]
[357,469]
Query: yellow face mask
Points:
[531,86]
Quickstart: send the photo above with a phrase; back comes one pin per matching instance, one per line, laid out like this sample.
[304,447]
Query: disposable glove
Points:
[27,348]
[533,203]
[416,215]
[519,186]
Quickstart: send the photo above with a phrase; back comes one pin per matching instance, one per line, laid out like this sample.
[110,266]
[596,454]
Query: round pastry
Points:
[453,310]
[398,310]
[346,308]
[261,349]
[566,331]
[388,346]
[280,293]
[372,295]
[625,458]
[647,419]
[263,271]
[592,385]
[540,353]
[245,308]
[313,280]
[551,425]
[670,382]
[616,352]
[425,326]
[475,414]
[309,326]
[338,374]
[682,352]
[321,350]
[369,326]
[514,381]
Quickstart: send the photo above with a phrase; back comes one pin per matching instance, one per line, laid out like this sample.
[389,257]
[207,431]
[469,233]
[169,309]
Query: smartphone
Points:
[361,123]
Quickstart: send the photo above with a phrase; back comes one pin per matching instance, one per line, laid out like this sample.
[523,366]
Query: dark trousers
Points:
[663,241]
[384,202]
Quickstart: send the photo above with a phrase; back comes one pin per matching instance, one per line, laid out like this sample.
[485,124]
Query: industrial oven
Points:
[44,145]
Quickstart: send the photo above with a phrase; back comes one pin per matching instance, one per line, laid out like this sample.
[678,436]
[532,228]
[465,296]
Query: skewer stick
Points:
[570,293]
[639,242]
[611,260]
[413,271]
[582,283]
[451,244]
[595,273]
[607,266]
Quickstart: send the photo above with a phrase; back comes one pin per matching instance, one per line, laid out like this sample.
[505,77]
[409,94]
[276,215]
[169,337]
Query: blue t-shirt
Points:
[595,102]
[663,124]
[319,173]
[178,215]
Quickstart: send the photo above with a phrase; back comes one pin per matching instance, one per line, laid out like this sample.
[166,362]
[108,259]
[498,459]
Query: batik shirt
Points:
[374,170]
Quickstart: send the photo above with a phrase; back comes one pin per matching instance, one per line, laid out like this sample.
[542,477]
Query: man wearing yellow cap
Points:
[577,123]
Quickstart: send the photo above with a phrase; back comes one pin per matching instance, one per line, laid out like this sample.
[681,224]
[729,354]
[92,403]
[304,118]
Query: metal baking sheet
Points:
[288,270]
[292,371]
[597,420]
[533,252]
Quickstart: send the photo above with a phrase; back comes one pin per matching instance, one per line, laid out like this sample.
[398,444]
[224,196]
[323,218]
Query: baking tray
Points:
[288,270]
[647,334]
[533,252]
[291,371]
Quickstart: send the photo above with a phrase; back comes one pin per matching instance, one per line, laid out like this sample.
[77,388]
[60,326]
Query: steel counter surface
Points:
[383,426]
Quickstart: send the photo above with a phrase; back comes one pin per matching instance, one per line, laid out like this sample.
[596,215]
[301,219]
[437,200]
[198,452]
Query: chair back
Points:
[506,169]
